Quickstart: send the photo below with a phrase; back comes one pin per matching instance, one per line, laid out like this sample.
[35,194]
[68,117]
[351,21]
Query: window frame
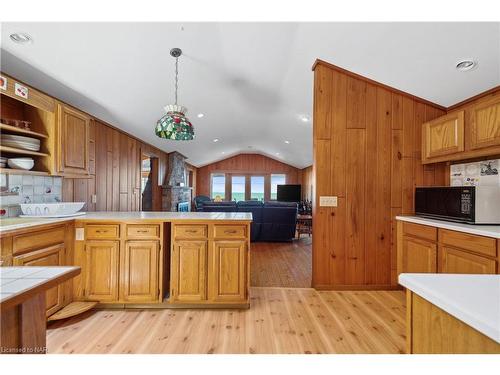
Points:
[271,185]
[218,174]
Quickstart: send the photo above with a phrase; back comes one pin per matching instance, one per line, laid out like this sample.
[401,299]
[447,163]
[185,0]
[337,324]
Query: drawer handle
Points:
[142,231]
[230,231]
[191,231]
[102,231]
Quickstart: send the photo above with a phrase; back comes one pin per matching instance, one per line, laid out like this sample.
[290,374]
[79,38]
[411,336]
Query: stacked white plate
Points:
[21,163]
[3,162]
[18,141]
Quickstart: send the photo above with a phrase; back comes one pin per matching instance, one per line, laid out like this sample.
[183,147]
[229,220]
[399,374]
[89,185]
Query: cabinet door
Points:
[51,256]
[139,275]
[73,146]
[419,256]
[101,271]
[485,124]
[189,271]
[443,136]
[453,260]
[227,273]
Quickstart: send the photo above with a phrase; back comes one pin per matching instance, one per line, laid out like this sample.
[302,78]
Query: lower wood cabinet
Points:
[101,270]
[419,255]
[227,271]
[139,273]
[50,256]
[189,271]
[452,260]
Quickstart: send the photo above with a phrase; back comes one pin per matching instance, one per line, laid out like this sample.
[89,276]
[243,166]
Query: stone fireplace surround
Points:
[174,190]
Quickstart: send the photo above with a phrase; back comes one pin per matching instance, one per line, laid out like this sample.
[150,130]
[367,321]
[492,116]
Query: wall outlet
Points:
[326,201]
[94,198]
[79,234]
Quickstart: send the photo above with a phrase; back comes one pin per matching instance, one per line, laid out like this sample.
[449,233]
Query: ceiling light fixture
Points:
[465,65]
[21,38]
[200,115]
[216,139]
[175,125]
[277,153]
[305,118]
[287,142]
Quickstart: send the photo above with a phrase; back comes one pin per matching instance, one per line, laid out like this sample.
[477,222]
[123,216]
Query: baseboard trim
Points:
[358,287]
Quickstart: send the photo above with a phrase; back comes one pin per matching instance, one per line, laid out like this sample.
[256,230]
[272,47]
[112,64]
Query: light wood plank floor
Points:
[280,320]
[282,264]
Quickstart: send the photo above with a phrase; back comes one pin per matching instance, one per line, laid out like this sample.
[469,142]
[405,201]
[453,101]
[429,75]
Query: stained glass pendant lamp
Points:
[175,125]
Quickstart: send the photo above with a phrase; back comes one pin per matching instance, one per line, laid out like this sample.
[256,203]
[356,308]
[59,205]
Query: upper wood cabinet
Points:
[101,270]
[443,136]
[50,256]
[72,141]
[139,273]
[485,124]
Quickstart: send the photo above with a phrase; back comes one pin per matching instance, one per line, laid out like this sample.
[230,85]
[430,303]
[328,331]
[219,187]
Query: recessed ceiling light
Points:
[466,65]
[21,38]
[305,118]
[223,152]
[200,115]
[277,153]
[287,142]
[216,139]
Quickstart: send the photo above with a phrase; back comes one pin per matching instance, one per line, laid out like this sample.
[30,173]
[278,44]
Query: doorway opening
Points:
[146,184]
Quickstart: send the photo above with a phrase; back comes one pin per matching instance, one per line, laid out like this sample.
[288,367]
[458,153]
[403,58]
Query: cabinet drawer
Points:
[102,231]
[143,231]
[230,231]
[190,231]
[475,244]
[37,240]
[421,231]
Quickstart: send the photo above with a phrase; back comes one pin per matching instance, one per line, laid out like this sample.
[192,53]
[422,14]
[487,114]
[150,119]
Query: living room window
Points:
[257,188]
[276,179]
[238,188]
[218,186]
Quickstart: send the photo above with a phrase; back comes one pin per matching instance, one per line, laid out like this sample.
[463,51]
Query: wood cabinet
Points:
[139,273]
[443,136]
[50,256]
[452,260]
[72,142]
[423,248]
[101,270]
[485,124]
[228,271]
[189,271]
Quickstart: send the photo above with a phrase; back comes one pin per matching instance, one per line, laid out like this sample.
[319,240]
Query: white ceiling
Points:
[252,81]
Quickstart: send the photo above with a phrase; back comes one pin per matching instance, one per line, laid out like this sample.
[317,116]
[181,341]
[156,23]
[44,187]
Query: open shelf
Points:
[13,129]
[22,171]
[20,151]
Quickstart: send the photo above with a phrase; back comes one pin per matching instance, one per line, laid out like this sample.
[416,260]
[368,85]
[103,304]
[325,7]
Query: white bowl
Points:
[21,163]
[51,209]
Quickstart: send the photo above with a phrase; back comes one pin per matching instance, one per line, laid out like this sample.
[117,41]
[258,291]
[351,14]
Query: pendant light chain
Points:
[176,77]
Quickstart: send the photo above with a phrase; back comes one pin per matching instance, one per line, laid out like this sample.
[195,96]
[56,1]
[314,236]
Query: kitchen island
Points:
[452,314]
[141,259]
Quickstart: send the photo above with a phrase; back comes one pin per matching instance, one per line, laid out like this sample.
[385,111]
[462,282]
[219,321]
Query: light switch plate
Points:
[327,201]
[79,234]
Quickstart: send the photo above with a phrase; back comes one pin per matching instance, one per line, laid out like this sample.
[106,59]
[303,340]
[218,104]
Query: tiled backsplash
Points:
[27,189]
[481,173]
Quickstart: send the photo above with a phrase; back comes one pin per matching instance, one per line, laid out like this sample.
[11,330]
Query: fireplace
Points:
[174,189]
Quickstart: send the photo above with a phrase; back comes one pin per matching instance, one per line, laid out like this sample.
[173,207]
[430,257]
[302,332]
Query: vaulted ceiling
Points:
[252,81]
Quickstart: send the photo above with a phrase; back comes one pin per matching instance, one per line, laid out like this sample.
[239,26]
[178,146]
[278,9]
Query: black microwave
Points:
[464,204]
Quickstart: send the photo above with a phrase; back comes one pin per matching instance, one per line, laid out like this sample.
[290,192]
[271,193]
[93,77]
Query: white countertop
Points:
[15,281]
[9,224]
[480,230]
[473,299]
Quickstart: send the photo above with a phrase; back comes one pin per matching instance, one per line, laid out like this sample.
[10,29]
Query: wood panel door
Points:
[419,256]
[189,271]
[73,141]
[485,124]
[139,274]
[452,260]
[101,270]
[227,273]
[50,256]
[443,136]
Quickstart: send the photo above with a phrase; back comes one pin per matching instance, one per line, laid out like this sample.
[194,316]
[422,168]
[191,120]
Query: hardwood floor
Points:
[282,264]
[280,320]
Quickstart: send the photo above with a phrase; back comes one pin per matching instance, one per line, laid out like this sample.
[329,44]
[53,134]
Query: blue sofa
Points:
[272,221]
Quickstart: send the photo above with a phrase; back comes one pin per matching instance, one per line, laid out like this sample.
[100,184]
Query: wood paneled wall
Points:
[115,164]
[367,152]
[306,179]
[243,163]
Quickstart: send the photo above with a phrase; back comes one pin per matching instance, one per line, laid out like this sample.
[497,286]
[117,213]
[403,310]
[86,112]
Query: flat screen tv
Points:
[289,193]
